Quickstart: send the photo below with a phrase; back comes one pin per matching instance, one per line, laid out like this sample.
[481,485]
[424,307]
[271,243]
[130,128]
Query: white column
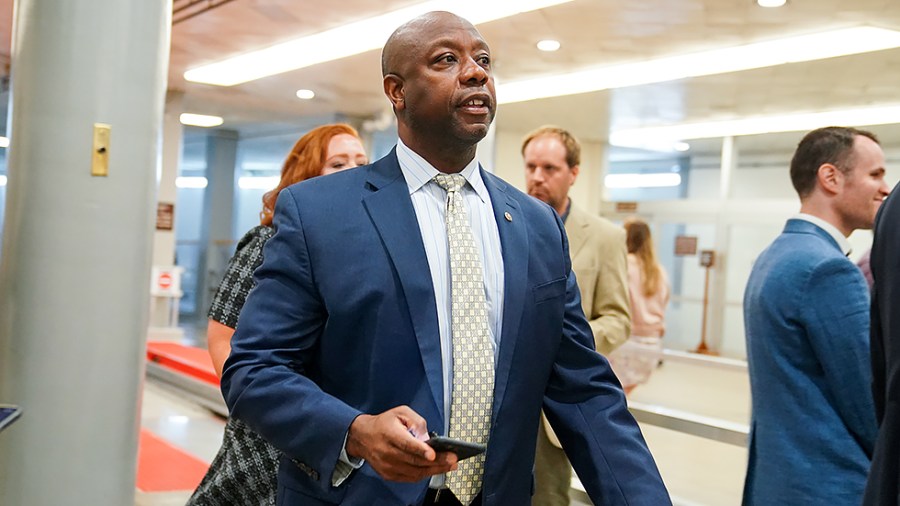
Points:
[162,309]
[719,286]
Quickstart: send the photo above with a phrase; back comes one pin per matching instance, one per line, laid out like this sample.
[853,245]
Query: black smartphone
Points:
[8,414]
[462,449]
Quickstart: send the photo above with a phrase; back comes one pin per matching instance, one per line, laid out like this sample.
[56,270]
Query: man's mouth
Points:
[476,106]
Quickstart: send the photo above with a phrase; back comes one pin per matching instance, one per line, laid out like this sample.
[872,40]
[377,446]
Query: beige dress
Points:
[635,360]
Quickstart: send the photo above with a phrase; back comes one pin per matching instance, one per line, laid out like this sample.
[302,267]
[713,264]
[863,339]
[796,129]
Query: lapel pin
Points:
[507,216]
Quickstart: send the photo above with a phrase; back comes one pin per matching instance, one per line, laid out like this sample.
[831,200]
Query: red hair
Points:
[306,160]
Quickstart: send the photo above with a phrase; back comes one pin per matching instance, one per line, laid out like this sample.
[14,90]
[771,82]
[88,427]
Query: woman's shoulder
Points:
[255,237]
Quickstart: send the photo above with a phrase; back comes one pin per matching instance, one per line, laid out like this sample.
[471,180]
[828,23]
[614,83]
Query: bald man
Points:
[421,293]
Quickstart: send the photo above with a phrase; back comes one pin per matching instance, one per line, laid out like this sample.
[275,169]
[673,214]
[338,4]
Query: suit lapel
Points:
[576,230]
[514,249]
[392,213]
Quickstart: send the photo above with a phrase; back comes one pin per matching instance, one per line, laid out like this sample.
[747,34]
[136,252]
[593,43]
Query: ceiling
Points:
[592,32]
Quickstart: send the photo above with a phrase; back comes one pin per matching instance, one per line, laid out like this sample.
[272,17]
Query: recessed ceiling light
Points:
[349,39]
[771,3]
[548,45]
[754,125]
[681,146]
[801,48]
[305,94]
[200,120]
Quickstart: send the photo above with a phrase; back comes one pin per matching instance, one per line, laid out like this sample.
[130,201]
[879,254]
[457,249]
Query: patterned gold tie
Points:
[473,355]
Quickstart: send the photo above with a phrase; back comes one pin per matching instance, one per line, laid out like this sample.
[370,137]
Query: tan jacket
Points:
[598,251]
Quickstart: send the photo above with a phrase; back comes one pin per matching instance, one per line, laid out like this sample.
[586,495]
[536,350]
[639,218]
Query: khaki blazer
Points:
[599,260]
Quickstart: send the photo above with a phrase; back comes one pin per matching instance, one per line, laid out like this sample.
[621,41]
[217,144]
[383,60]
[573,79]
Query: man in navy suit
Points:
[806,317]
[883,486]
[344,354]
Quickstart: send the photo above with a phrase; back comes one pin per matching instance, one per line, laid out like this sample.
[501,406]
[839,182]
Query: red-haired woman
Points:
[244,471]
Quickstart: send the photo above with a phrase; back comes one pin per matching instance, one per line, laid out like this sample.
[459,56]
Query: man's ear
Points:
[393,89]
[575,170]
[830,178]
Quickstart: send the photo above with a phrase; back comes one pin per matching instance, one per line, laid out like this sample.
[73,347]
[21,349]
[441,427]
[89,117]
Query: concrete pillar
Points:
[161,309]
[74,273]
[216,236]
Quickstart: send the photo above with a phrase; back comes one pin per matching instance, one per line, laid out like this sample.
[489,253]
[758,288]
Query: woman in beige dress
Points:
[648,286]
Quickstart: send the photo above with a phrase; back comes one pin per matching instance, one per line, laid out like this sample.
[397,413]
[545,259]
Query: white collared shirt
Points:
[429,201]
[833,231]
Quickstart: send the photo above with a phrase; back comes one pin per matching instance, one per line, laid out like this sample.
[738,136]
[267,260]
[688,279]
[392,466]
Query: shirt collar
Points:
[418,172]
[565,215]
[836,234]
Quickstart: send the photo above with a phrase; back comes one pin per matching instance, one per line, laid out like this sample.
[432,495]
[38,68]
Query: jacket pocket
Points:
[549,290]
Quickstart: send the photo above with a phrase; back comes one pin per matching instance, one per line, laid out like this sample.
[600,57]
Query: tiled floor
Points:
[697,471]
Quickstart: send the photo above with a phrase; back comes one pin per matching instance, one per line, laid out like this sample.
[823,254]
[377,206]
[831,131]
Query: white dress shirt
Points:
[429,201]
[833,231]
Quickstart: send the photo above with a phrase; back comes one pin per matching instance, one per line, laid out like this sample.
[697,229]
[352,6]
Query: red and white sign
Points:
[166,282]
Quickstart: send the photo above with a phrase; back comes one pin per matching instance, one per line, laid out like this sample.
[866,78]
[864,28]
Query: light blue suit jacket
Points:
[806,317]
[343,321]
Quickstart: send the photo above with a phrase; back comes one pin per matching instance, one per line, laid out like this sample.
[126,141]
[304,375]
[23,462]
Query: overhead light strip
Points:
[633,180]
[641,137]
[200,120]
[817,46]
[348,40]
[195,182]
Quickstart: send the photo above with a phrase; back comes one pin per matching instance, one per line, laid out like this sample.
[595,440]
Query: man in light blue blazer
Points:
[806,317]
[344,356]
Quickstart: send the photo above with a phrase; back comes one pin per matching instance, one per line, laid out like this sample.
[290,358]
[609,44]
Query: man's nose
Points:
[475,73]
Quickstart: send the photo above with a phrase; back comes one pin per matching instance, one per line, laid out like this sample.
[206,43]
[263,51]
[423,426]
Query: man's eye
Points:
[449,58]
[484,61]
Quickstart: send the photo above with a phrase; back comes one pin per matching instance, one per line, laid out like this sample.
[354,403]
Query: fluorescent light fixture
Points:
[305,94]
[348,40]
[2,180]
[548,45]
[190,182]
[641,137]
[681,146]
[771,3]
[4,142]
[258,182]
[200,120]
[658,180]
[815,46]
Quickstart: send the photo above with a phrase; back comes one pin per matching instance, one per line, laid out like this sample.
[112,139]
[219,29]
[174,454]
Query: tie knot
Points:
[450,182]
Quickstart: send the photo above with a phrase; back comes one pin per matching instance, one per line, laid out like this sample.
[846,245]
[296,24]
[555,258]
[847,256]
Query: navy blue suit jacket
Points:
[806,317]
[883,487]
[343,321]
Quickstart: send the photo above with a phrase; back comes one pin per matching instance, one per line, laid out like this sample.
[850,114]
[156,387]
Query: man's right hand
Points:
[392,444]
